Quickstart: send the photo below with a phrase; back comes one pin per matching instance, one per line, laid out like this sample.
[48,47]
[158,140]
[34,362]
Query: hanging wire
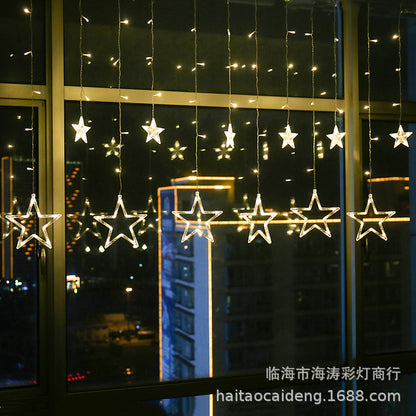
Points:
[400,65]
[32,117]
[335,61]
[196,94]
[369,98]
[81,65]
[153,55]
[287,61]
[313,94]
[119,98]
[229,61]
[257,99]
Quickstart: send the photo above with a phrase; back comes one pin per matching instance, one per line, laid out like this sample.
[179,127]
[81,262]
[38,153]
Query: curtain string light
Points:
[252,218]
[153,131]
[201,219]
[370,209]
[81,129]
[22,221]
[229,134]
[315,198]
[129,221]
[336,136]
[401,136]
[287,136]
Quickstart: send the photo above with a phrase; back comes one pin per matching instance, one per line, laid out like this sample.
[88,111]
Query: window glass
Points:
[15,42]
[214,309]
[384,57]
[395,396]
[19,273]
[387,266]
[174,46]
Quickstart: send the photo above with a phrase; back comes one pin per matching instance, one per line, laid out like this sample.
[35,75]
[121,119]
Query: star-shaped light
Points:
[258,215]
[401,137]
[153,131]
[113,148]
[288,137]
[223,152]
[87,223]
[361,218]
[229,134]
[81,130]
[177,151]
[122,219]
[336,138]
[202,218]
[315,201]
[33,212]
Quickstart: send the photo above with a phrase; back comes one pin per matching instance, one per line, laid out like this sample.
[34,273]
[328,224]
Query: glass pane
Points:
[392,398]
[217,309]
[19,273]
[15,42]
[174,46]
[316,401]
[387,266]
[384,61]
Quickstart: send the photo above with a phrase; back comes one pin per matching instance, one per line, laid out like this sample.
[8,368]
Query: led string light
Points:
[120,219]
[229,134]
[370,211]
[287,136]
[153,131]
[258,216]
[81,129]
[33,214]
[329,212]
[336,136]
[201,219]
[401,136]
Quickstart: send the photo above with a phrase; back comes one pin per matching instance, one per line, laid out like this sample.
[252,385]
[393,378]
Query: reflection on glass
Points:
[214,309]
[19,275]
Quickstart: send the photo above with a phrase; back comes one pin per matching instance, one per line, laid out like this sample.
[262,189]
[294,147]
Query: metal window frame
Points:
[50,102]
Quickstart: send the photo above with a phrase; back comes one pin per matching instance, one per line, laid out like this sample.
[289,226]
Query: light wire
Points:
[229,61]
[153,55]
[335,61]
[119,98]
[196,94]
[257,99]
[313,94]
[287,61]
[400,65]
[32,130]
[369,99]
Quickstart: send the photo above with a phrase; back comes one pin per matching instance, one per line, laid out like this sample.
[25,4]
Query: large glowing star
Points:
[153,131]
[201,220]
[256,220]
[123,223]
[81,130]
[369,213]
[316,208]
[336,138]
[401,137]
[288,137]
[22,221]
[229,134]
